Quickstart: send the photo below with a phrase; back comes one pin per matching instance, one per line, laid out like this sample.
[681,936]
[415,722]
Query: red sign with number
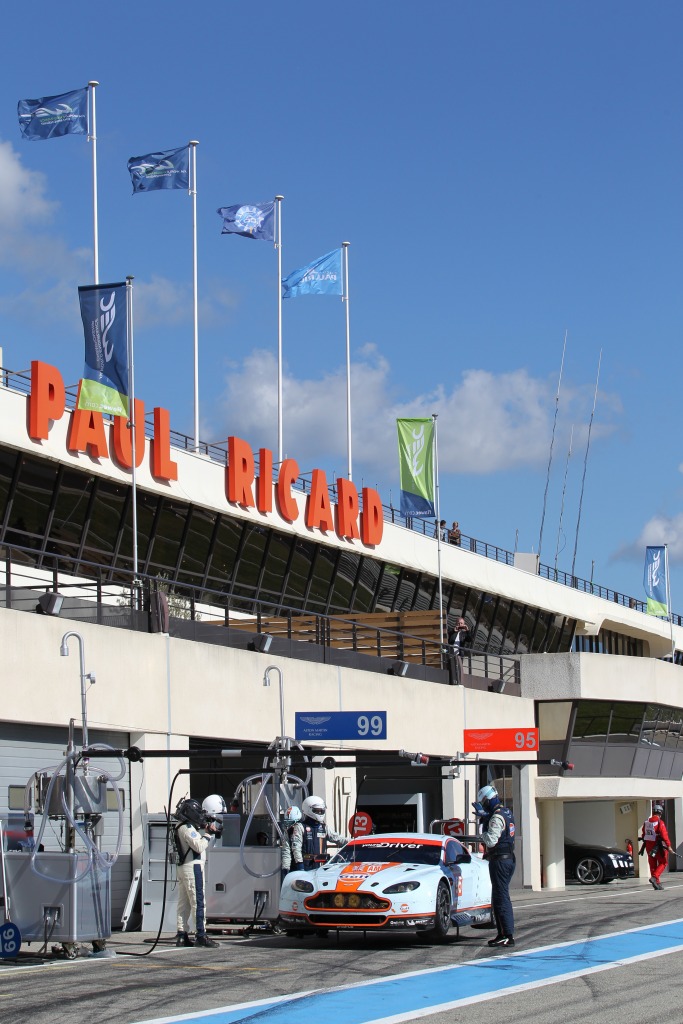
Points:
[482,741]
[454,827]
[360,824]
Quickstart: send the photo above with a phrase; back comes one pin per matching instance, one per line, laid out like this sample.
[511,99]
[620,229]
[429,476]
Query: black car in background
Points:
[591,865]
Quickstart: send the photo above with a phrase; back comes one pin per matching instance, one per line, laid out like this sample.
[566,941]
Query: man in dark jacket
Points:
[498,836]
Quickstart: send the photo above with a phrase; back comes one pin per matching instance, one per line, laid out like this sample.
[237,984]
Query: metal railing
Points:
[20,381]
[107,596]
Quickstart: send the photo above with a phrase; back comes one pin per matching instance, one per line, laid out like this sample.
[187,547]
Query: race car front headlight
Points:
[301,885]
[401,887]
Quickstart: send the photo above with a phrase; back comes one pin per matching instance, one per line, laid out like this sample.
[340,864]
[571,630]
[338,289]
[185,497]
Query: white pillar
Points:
[644,809]
[529,829]
[452,799]
[552,844]
[678,832]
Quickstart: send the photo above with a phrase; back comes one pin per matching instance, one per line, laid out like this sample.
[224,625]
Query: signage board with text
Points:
[486,741]
[340,725]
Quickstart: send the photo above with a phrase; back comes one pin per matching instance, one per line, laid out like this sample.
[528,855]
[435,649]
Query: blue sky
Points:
[505,172]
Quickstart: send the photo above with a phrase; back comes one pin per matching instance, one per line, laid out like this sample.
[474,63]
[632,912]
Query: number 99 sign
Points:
[10,940]
[370,725]
[340,725]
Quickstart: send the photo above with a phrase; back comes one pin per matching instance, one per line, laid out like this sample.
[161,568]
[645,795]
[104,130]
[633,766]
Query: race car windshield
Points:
[384,853]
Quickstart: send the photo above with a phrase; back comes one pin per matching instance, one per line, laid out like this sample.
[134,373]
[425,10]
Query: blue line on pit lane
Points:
[402,997]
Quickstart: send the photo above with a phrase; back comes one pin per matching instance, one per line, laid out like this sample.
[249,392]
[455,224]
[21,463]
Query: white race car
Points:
[398,880]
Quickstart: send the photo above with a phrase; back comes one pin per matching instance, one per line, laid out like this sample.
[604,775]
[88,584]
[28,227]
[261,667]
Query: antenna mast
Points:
[585,462]
[552,442]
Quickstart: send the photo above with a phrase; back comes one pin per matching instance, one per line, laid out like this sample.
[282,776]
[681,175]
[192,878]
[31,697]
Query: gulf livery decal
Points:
[354,874]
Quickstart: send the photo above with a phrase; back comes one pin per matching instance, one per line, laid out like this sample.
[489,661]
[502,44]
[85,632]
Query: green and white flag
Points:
[416,462]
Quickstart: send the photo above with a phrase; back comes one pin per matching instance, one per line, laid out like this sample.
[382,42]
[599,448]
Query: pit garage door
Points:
[25,749]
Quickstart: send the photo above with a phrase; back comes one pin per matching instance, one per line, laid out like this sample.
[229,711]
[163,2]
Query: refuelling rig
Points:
[63,895]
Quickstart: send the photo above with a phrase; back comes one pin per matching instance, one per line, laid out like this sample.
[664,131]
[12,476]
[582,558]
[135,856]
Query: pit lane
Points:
[266,967]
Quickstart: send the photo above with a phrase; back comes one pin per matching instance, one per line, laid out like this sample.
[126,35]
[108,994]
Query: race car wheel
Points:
[589,871]
[442,915]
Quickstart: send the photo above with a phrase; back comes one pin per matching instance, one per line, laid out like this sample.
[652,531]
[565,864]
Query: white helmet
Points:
[292,815]
[488,797]
[214,804]
[314,807]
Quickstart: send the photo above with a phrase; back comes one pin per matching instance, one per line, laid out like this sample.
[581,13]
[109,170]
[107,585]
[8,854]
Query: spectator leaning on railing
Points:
[454,535]
[459,639]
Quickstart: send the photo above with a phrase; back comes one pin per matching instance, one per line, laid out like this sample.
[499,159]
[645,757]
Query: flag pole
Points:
[435,416]
[131,416]
[278,246]
[668,605]
[345,298]
[193,192]
[92,137]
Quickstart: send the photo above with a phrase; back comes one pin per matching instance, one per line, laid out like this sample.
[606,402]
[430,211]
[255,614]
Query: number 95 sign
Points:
[340,725]
[484,741]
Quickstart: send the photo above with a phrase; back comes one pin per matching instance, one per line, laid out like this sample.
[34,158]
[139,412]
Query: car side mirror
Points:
[462,858]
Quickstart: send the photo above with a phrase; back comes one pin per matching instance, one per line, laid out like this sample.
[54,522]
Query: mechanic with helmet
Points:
[498,836]
[657,843]
[311,835]
[292,818]
[191,837]
[214,808]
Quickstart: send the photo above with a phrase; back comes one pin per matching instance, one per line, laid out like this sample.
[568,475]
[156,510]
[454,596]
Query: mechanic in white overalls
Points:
[191,837]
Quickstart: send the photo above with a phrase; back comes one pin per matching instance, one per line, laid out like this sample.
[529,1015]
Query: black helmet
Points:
[191,812]
[657,809]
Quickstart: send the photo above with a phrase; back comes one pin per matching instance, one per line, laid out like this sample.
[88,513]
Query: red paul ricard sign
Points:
[354,517]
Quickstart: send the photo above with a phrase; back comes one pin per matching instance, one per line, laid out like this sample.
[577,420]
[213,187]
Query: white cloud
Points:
[22,193]
[659,529]
[487,422]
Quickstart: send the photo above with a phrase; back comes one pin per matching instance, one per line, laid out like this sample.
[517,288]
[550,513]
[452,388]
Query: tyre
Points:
[442,915]
[589,871]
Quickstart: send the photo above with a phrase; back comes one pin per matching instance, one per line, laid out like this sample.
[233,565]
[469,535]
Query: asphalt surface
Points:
[129,988]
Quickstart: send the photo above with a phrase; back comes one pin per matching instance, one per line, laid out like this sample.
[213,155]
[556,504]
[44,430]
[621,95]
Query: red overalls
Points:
[656,839]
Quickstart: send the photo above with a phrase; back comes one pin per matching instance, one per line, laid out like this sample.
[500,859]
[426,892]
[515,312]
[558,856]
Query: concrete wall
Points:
[590,822]
[155,686]
[600,677]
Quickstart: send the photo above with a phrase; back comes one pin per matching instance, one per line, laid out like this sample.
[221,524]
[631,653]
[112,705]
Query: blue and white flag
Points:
[255,221]
[170,169]
[654,581]
[52,116]
[104,387]
[321,277]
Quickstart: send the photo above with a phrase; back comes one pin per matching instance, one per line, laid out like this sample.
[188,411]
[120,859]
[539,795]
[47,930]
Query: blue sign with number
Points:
[340,725]
[10,940]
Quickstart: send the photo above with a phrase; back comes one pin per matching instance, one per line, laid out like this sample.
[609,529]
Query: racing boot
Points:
[502,940]
[183,939]
[204,940]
